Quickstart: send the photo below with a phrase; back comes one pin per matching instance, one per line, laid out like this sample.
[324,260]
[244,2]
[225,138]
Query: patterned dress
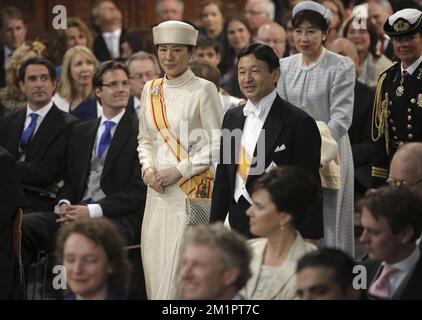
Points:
[325,90]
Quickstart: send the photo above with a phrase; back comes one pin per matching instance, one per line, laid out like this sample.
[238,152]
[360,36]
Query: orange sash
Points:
[198,186]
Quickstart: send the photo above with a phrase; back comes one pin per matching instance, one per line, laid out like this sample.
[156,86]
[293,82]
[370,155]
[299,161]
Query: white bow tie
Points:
[250,109]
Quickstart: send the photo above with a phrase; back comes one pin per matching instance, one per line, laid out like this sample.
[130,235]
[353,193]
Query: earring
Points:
[282,227]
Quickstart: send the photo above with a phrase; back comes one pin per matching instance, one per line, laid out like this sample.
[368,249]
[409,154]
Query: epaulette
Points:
[387,69]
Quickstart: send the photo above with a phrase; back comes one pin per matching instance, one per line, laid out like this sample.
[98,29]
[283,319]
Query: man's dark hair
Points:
[206,42]
[338,261]
[314,18]
[111,65]
[261,52]
[291,189]
[39,61]
[398,205]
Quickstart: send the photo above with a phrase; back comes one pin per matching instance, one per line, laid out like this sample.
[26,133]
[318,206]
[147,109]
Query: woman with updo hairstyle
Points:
[281,199]
[11,97]
[321,83]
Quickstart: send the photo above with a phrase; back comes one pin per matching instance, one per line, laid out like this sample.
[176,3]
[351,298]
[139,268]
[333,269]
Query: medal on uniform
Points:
[419,100]
[419,76]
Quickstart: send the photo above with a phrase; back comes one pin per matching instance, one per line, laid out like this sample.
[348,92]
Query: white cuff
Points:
[57,206]
[95,210]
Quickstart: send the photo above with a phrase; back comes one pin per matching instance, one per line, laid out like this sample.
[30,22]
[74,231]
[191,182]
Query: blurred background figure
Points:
[143,67]
[13,34]
[273,35]
[93,254]
[213,21]
[169,10]
[326,274]
[214,263]
[107,20]
[76,34]
[291,47]
[281,199]
[378,13]
[360,129]
[209,50]
[205,69]
[131,44]
[258,12]
[337,9]
[238,35]
[406,169]
[75,93]
[392,222]
[11,97]
[371,62]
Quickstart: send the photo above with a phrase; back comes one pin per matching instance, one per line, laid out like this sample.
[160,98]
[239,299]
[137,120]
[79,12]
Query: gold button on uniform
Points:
[409,126]
[394,129]
[409,110]
[391,121]
[391,103]
[410,136]
[413,100]
[409,118]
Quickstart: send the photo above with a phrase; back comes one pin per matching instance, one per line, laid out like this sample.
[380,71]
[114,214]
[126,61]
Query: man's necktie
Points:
[381,287]
[29,131]
[105,138]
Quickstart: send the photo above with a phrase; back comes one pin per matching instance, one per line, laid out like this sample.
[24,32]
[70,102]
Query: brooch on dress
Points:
[155,91]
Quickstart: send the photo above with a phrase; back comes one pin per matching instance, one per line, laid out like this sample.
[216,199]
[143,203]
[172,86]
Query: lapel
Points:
[272,127]
[412,289]
[16,129]
[123,130]
[284,273]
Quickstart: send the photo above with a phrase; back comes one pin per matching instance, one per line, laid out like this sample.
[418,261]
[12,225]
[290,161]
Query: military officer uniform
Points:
[397,113]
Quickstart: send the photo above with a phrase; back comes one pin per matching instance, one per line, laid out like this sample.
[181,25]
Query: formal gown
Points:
[325,90]
[192,103]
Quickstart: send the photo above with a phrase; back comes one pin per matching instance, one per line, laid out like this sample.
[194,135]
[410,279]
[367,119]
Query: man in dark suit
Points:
[10,200]
[37,136]
[103,175]
[392,221]
[288,136]
[13,32]
[107,19]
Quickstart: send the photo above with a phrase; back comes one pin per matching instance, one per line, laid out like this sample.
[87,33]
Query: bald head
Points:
[407,166]
[273,35]
[345,47]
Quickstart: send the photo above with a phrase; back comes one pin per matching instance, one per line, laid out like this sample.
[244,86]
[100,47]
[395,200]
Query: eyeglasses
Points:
[396,183]
[113,85]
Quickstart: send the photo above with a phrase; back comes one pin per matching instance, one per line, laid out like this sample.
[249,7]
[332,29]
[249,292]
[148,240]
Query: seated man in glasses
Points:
[103,173]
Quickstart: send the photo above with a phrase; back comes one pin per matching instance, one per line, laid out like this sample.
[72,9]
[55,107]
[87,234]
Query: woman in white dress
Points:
[281,199]
[179,124]
[322,83]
